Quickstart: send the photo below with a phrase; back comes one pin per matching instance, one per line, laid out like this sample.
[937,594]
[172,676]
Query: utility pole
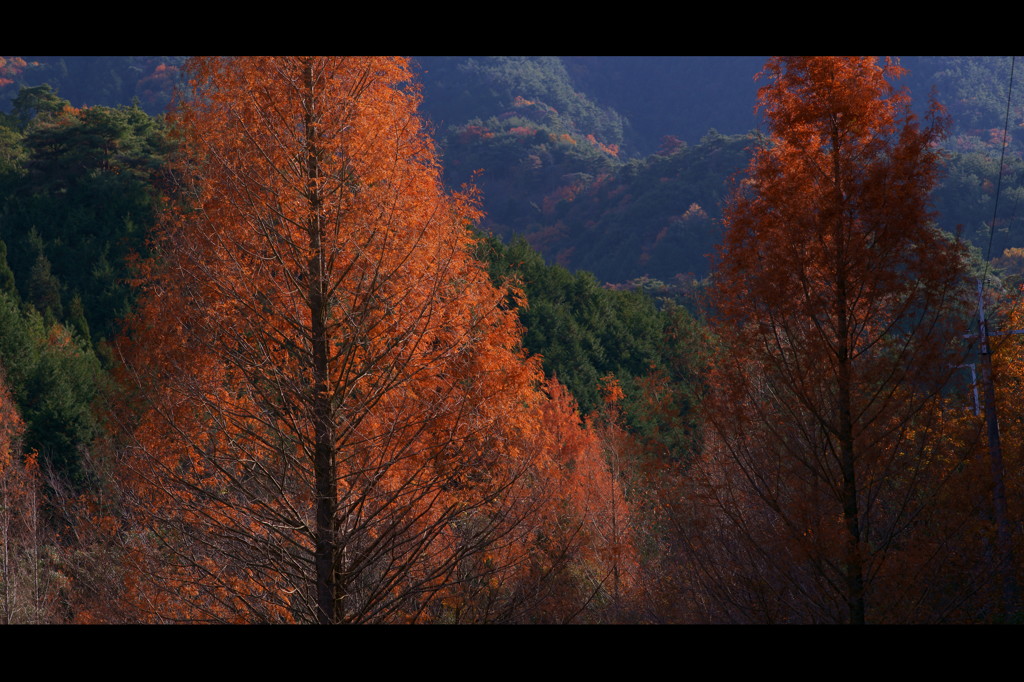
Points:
[1004,547]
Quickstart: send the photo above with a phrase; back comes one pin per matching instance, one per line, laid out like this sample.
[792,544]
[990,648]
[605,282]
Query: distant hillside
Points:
[679,96]
[657,216]
[92,81]
[618,165]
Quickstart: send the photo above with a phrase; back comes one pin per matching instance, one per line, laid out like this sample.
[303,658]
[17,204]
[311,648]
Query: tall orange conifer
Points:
[338,411]
[836,297]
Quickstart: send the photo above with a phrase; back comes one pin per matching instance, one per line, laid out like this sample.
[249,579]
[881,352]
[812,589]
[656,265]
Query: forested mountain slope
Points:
[261,361]
[581,155]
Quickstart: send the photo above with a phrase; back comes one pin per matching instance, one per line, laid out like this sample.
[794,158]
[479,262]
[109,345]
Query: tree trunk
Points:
[324,463]
[844,352]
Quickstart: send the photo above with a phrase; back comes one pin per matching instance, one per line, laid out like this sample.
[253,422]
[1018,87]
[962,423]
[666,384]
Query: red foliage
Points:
[836,299]
[339,423]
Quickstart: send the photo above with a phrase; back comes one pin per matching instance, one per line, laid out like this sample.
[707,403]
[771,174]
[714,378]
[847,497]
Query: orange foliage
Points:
[11,66]
[11,428]
[339,423]
[609,149]
[583,518]
[836,299]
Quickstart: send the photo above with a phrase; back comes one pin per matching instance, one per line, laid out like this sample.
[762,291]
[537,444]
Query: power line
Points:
[1004,546]
[999,175]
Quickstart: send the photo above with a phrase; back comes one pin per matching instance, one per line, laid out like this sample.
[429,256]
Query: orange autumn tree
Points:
[338,420]
[574,550]
[837,300]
